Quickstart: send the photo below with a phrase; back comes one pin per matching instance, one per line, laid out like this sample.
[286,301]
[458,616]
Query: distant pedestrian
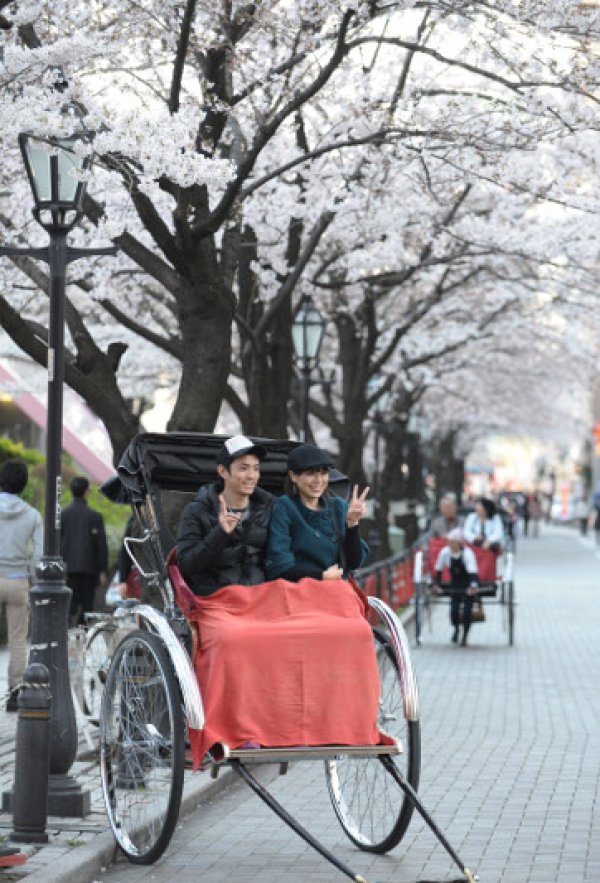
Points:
[535,513]
[84,549]
[582,514]
[21,534]
[595,516]
[525,514]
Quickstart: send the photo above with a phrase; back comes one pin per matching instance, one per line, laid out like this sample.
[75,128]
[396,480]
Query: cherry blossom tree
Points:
[428,169]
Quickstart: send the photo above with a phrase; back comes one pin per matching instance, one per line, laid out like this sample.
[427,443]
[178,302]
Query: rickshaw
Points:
[151,694]
[496,584]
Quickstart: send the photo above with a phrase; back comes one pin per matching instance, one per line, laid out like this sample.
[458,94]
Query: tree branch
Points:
[217,217]
[180,55]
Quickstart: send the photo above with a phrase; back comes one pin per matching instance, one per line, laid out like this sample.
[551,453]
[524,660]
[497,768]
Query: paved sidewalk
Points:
[78,848]
[510,767]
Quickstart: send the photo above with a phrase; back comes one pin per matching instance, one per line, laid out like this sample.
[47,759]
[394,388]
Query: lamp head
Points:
[308,329]
[56,175]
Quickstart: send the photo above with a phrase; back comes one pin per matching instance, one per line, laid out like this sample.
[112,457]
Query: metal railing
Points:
[390,579]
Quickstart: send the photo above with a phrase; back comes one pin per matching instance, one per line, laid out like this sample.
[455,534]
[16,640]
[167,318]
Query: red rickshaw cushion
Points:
[284,664]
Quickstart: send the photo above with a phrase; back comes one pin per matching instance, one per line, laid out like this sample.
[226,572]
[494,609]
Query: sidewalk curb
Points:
[87,863]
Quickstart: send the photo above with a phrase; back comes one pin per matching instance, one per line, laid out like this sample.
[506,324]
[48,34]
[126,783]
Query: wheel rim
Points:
[141,743]
[96,661]
[370,806]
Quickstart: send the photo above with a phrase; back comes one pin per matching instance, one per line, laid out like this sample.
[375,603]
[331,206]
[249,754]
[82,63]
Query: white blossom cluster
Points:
[450,146]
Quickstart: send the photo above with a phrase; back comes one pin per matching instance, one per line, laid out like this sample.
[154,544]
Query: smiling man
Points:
[223,532]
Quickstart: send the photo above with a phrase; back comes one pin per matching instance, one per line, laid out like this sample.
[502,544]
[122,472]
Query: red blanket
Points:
[285,664]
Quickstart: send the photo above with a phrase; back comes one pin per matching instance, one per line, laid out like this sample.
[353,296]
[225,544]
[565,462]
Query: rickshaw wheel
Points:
[371,808]
[142,747]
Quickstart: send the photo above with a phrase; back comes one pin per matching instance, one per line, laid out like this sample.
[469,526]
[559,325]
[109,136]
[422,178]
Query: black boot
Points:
[463,643]
[455,635]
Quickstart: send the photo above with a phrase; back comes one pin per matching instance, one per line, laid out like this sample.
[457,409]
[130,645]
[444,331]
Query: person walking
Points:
[21,539]
[84,550]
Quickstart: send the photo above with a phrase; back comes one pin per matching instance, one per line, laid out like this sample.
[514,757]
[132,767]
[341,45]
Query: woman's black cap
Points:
[306,457]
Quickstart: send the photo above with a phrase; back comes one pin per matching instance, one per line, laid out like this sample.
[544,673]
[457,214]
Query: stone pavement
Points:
[510,765]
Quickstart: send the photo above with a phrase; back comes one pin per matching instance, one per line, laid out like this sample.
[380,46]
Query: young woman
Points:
[314,533]
[483,527]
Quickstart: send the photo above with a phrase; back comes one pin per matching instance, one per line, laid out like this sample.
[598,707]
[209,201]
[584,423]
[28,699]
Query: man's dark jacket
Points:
[83,539]
[208,557]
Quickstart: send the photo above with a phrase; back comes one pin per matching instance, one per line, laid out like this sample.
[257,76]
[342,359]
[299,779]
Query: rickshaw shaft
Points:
[284,815]
[414,798]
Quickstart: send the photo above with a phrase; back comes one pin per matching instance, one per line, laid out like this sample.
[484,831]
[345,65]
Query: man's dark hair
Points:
[79,486]
[13,476]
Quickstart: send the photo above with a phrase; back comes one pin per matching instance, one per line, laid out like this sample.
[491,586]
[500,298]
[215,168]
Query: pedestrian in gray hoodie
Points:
[21,534]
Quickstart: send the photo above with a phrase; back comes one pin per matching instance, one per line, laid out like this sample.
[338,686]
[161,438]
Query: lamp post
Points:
[56,175]
[377,386]
[308,328]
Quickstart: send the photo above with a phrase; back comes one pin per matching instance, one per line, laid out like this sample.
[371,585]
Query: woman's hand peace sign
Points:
[356,508]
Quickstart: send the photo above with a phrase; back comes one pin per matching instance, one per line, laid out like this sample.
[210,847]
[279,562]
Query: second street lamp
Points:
[57,178]
[308,329]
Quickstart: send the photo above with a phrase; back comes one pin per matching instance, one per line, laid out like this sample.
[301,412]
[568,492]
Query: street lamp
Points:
[308,328]
[57,178]
[377,385]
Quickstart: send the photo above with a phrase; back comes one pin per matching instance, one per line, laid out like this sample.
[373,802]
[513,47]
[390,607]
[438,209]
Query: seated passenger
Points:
[447,520]
[483,527]
[270,658]
[313,533]
[461,564]
[223,533]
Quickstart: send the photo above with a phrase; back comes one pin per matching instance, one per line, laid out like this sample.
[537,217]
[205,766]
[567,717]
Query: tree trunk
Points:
[206,346]
[448,469]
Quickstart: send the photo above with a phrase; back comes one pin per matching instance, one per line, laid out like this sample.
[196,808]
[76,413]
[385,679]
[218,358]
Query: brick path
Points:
[511,758]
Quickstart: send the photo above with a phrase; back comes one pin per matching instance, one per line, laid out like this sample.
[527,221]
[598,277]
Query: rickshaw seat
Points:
[185,598]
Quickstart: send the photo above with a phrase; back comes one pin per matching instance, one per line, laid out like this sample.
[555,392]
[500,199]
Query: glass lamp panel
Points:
[37,155]
[298,338]
[70,165]
[314,326]
[307,331]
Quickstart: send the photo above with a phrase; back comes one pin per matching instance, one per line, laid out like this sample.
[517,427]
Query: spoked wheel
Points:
[95,664]
[371,808]
[142,747]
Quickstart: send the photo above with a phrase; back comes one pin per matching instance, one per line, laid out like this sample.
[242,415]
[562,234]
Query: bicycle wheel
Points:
[142,746]
[370,806]
[94,668]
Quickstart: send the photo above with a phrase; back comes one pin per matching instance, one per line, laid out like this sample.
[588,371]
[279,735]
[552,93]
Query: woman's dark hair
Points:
[488,505]
[289,487]
[13,476]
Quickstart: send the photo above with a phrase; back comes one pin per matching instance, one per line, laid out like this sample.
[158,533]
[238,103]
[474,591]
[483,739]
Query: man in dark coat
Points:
[84,549]
[223,533]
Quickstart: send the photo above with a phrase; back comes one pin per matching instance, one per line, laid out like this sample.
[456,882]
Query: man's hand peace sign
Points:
[228,520]
[356,507]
